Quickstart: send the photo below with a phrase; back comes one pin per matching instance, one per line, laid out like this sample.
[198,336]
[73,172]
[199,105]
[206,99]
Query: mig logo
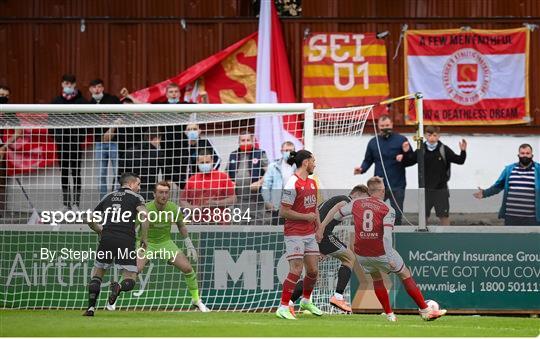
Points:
[310,201]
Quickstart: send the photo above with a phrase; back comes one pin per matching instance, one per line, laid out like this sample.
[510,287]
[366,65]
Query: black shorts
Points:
[331,244]
[438,199]
[118,251]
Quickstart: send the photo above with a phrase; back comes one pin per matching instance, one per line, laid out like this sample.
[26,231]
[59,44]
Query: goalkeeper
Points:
[160,244]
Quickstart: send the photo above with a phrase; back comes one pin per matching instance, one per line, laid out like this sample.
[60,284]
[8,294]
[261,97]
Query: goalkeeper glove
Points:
[190,249]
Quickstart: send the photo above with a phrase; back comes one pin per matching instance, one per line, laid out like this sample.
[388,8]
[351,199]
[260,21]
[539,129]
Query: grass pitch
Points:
[60,323]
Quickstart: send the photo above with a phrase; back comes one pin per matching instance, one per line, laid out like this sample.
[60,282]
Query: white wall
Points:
[486,157]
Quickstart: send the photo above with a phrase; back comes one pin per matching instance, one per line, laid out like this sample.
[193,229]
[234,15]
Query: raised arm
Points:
[368,159]
[453,157]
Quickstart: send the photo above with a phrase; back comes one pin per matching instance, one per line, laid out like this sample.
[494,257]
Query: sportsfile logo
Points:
[112,215]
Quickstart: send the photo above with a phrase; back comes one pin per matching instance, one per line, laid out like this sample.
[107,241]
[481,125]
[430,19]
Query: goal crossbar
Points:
[158,108]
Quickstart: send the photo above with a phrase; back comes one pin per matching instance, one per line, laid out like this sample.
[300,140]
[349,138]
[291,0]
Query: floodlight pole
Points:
[419,138]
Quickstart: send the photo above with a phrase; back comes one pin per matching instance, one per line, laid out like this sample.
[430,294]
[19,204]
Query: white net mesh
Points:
[66,162]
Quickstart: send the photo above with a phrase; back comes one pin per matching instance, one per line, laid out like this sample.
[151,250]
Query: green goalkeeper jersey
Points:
[161,221]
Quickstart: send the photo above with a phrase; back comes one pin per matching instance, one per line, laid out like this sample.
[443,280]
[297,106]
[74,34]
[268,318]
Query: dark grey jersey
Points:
[325,208]
[120,210]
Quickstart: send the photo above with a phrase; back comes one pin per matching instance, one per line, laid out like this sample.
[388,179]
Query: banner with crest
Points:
[474,77]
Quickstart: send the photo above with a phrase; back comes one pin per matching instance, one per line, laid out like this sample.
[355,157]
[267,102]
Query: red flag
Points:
[32,150]
[225,77]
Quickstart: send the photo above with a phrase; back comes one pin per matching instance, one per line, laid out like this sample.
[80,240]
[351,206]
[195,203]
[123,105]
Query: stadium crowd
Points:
[247,179]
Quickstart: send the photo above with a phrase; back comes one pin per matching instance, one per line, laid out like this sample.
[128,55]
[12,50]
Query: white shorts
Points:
[382,263]
[297,246]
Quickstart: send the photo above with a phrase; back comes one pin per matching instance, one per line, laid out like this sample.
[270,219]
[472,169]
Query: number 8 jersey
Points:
[370,216]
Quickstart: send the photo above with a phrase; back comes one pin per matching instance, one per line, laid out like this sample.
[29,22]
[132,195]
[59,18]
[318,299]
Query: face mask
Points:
[172,100]
[525,161]
[97,97]
[431,147]
[285,155]
[192,135]
[4,100]
[386,132]
[246,148]
[205,168]
[68,90]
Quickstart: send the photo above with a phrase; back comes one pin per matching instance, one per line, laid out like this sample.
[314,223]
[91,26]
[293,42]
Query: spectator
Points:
[105,151]
[521,184]
[275,180]
[208,188]
[129,141]
[246,168]
[174,139]
[191,148]
[146,159]
[390,146]
[4,94]
[127,137]
[437,160]
[69,143]
[99,96]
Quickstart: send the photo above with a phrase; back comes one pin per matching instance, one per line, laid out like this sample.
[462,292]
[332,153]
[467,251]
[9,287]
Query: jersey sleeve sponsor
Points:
[289,192]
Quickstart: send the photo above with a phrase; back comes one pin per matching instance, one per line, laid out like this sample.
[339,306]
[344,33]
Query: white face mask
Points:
[431,147]
[68,90]
[205,168]
[97,96]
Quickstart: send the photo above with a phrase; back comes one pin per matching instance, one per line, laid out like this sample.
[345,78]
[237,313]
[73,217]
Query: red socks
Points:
[288,288]
[382,295]
[309,284]
[413,290]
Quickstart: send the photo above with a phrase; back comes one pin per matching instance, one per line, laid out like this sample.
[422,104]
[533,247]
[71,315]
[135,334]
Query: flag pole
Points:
[419,138]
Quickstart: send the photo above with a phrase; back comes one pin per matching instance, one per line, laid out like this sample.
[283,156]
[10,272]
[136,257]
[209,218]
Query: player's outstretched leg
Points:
[182,263]
[414,292]
[94,287]
[344,275]
[312,272]
[127,284]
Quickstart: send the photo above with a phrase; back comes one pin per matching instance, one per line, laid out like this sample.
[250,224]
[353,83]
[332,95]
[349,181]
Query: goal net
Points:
[66,161]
